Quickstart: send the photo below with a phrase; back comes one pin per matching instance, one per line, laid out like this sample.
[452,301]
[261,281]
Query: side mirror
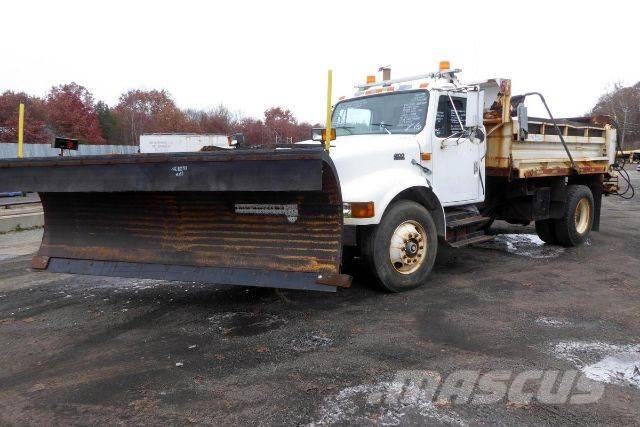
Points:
[523,122]
[475,109]
[320,134]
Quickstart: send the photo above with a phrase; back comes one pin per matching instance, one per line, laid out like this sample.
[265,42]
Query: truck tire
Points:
[546,229]
[401,250]
[572,229]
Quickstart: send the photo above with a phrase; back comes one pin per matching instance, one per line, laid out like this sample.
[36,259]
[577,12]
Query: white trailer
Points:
[180,142]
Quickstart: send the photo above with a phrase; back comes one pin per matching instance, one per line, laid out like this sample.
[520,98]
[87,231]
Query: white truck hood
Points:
[374,168]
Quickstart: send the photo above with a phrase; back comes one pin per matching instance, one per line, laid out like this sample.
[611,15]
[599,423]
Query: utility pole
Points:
[21,130]
[327,142]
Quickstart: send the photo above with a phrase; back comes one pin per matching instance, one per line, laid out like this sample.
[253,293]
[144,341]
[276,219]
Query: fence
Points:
[9,150]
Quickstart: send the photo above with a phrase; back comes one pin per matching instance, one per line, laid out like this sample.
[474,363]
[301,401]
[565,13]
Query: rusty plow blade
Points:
[269,218]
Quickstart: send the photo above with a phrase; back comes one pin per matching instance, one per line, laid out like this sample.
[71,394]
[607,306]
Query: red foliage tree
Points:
[151,111]
[71,112]
[283,124]
[254,131]
[279,126]
[35,127]
[218,121]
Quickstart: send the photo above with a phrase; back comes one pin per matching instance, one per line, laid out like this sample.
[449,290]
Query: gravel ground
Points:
[88,350]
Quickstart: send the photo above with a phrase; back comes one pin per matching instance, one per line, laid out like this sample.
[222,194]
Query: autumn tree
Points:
[153,111]
[623,104]
[35,123]
[254,131]
[71,113]
[282,124]
[70,110]
[217,121]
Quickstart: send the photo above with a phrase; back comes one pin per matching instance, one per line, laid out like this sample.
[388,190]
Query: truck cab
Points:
[408,135]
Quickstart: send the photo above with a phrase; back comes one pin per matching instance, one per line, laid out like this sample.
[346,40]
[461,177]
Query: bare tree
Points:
[623,104]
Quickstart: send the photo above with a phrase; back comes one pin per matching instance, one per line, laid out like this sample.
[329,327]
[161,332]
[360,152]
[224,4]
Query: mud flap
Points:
[270,219]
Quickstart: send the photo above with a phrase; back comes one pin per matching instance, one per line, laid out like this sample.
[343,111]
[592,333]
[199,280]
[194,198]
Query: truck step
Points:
[475,219]
[457,213]
[470,241]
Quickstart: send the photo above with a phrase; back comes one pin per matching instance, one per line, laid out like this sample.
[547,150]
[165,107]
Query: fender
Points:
[403,180]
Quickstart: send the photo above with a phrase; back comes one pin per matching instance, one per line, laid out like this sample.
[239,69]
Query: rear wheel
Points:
[546,230]
[401,250]
[574,227]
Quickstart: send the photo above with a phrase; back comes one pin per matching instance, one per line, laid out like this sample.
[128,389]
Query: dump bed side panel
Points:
[542,153]
[590,140]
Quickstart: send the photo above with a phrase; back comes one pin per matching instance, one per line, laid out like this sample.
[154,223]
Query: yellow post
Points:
[20,130]
[327,142]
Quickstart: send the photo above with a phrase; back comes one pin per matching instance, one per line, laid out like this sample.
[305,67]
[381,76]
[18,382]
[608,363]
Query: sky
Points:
[250,55]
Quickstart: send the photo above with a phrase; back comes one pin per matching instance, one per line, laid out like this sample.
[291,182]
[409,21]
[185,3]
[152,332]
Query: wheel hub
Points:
[582,216]
[407,248]
[411,248]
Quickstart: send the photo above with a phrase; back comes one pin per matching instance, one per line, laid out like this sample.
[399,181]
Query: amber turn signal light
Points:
[320,134]
[333,134]
[359,210]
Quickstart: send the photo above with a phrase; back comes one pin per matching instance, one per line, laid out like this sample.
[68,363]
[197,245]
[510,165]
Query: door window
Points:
[447,123]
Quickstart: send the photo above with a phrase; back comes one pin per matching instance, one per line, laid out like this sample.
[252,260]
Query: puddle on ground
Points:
[311,342]
[553,323]
[369,404]
[526,245]
[244,323]
[607,363]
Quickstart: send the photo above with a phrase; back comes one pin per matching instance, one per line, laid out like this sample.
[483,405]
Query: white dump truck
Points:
[430,158]
[409,164]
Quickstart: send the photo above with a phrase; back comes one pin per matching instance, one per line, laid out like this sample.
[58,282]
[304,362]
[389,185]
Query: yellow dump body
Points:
[590,140]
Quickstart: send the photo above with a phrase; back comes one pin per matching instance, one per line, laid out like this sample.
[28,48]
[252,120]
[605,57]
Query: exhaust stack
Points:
[386,72]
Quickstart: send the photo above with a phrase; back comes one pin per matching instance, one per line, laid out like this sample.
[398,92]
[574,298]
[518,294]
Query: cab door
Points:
[457,159]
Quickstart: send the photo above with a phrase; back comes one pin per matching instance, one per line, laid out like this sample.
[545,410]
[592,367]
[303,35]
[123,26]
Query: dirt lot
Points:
[101,350]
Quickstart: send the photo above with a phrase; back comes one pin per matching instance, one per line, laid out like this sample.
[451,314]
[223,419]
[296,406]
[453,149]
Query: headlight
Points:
[358,210]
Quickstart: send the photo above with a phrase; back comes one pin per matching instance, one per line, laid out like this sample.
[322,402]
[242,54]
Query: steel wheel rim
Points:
[408,247]
[582,216]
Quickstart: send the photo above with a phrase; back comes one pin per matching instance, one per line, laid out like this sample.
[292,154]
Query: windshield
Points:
[403,112]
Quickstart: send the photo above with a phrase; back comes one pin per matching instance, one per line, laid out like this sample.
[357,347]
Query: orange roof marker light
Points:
[371,79]
[444,66]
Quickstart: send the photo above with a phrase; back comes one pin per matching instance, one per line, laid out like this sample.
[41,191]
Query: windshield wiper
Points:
[383,125]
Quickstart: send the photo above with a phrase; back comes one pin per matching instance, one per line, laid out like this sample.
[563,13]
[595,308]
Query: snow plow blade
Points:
[269,218]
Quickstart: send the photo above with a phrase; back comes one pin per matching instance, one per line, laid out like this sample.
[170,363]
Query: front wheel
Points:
[401,250]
